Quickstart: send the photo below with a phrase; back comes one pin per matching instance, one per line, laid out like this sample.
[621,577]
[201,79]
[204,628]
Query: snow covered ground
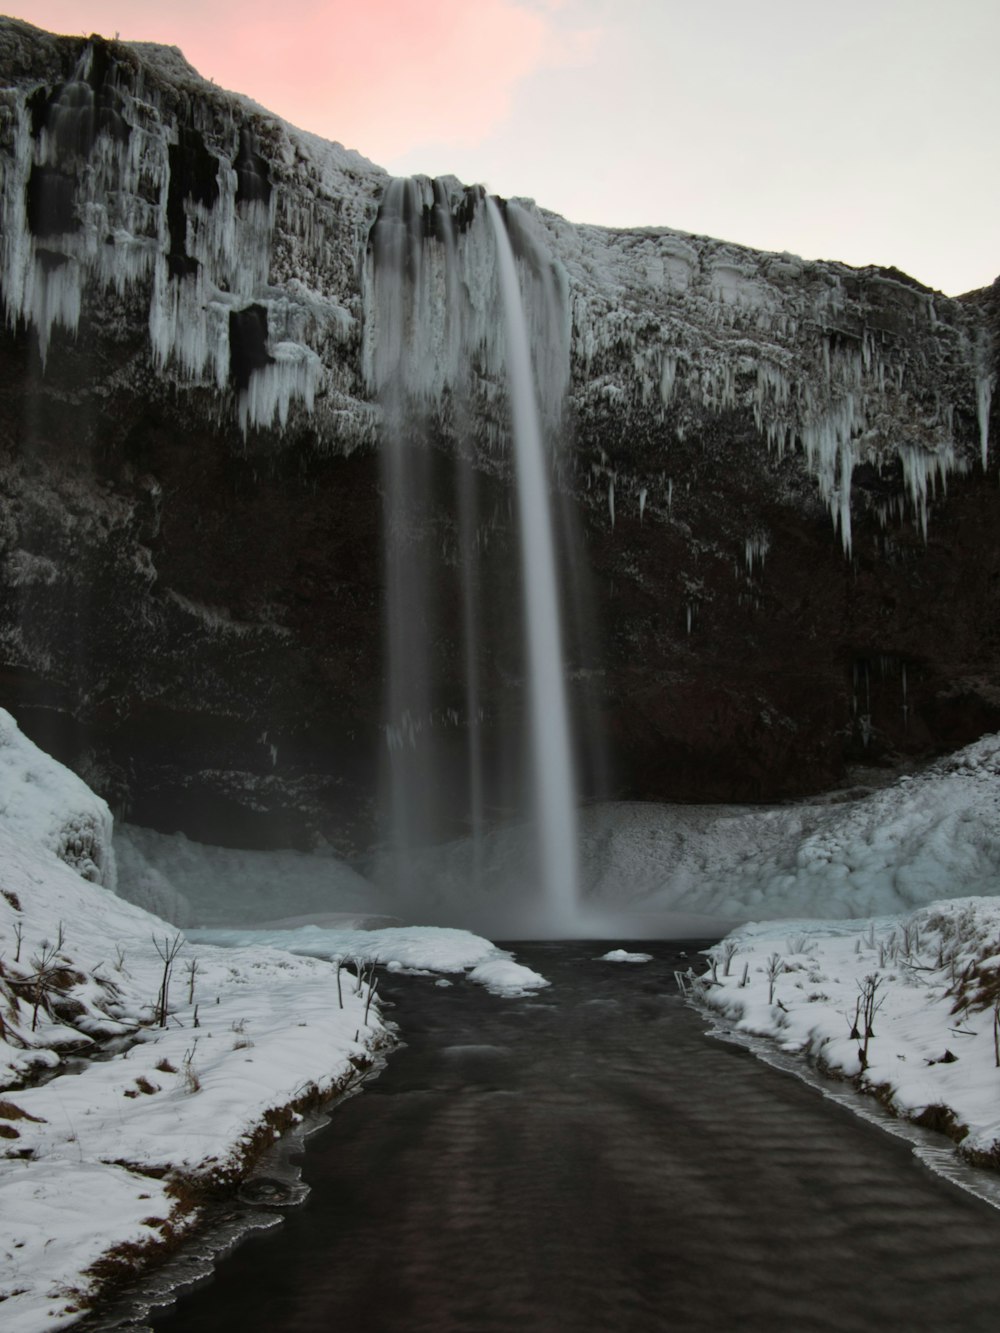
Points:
[907,1007]
[113,1124]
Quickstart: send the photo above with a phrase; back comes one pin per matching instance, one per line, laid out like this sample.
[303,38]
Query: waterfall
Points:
[552,767]
[449,340]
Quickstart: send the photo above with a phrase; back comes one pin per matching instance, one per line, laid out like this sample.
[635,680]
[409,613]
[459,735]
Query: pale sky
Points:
[861,130]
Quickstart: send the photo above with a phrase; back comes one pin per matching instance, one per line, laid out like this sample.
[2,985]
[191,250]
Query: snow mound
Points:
[502,976]
[50,807]
[662,871]
[623,956]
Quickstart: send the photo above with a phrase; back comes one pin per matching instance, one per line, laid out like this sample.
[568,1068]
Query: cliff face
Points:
[776,475]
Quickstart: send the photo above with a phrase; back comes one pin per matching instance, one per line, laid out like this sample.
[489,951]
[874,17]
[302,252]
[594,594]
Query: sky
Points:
[863,131]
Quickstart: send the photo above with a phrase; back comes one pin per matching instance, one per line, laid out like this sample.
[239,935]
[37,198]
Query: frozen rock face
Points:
[776,474]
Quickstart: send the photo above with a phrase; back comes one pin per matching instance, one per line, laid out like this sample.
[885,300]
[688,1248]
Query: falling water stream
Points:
[554,793]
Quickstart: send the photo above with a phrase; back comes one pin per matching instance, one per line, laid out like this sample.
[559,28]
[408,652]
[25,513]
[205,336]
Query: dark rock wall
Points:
[191,581]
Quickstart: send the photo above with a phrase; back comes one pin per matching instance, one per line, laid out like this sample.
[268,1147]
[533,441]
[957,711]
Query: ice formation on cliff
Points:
[245,240]
[104,190]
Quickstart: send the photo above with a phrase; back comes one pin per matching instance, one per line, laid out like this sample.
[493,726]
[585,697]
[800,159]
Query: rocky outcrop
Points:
[776,475]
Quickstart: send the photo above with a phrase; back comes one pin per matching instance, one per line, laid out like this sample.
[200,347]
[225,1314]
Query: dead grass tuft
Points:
[942,1119]
[9,1111]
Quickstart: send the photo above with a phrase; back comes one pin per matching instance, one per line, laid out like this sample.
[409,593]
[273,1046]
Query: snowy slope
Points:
[79,969]
[48,805]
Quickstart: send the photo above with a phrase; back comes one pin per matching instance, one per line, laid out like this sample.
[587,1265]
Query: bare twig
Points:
[773,970]
[191,967]
[168,949]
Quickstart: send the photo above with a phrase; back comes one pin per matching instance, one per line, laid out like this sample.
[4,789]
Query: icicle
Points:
[611,501]
[668,377]
[985,384]
[755,550]
[114,232]
[642,502]
[292,374]
[922,470]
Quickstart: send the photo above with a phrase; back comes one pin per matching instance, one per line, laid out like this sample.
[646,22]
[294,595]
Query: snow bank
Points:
[647,870]
[905,1007]
[682,871]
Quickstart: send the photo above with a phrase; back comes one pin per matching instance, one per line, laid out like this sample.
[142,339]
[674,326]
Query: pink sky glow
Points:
[380,77]
[862,133]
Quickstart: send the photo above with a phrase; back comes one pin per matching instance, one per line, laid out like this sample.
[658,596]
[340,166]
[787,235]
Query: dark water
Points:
[589,1160]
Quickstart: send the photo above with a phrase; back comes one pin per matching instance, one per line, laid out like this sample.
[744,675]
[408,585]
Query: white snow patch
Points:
[927,836]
